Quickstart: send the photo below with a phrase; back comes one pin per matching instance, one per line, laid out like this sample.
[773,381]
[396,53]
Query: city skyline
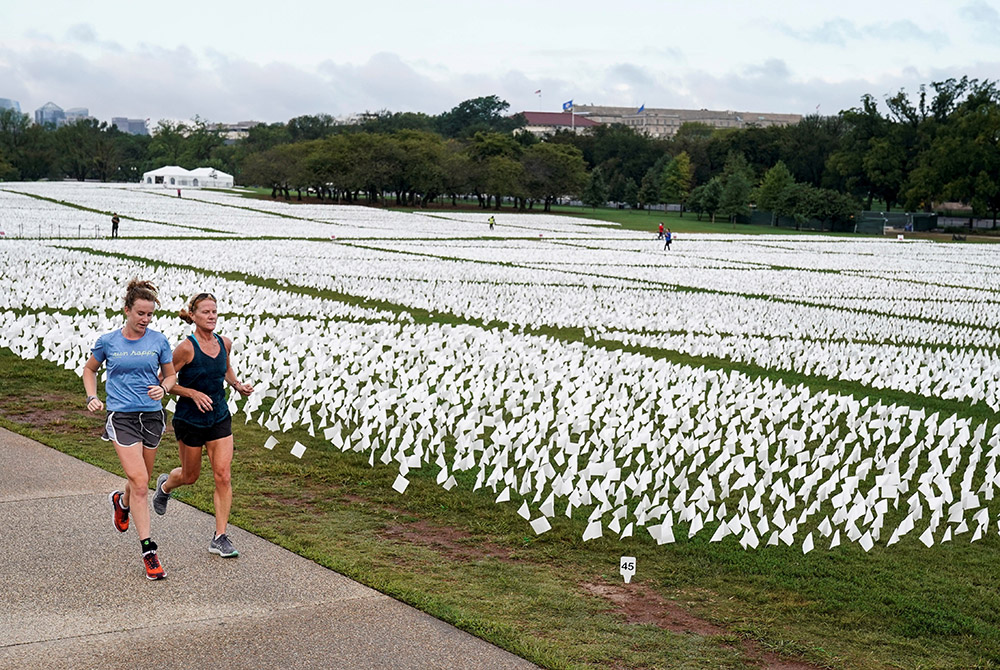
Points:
[228,66]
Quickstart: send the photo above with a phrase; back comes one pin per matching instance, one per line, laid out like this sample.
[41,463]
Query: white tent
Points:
[173,176]
[211,178]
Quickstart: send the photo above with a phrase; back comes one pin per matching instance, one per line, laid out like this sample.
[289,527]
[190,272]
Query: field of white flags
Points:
[797,390]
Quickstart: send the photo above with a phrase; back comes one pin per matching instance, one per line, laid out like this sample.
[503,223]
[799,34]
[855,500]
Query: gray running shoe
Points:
[223,547]
[159,497]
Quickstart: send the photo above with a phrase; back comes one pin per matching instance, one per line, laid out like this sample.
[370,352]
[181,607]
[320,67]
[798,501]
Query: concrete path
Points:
[73,593]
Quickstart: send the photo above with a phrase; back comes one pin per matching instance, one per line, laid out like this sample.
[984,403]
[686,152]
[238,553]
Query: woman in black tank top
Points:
[201,418]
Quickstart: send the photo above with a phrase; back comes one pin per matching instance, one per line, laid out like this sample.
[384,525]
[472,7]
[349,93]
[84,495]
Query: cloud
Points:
[631,75]
[773,69]
[984,18]
[178,83]
[841,32]
[837,32]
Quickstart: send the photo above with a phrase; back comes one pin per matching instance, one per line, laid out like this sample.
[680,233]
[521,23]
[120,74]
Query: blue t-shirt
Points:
[132,369]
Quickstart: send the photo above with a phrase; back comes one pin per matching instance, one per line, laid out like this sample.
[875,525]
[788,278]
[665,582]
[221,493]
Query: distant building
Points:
[548,123]
[233,132]
[7,103]
[130,126]
[662,123]
[50,114]
[74,114]
[173,176]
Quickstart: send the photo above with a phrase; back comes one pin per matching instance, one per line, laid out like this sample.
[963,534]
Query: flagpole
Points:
[572,118]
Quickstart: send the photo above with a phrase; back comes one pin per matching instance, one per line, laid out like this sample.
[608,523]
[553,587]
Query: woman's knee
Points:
[223,479]
[138,489]
[189,477]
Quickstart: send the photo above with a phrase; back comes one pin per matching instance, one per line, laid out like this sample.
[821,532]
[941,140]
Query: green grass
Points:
[465,559]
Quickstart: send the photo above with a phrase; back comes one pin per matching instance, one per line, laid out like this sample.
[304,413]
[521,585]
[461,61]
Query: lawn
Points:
[469,558]
[555,599]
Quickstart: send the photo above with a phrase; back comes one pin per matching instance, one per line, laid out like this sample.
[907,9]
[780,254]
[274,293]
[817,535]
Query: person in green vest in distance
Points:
[493,222]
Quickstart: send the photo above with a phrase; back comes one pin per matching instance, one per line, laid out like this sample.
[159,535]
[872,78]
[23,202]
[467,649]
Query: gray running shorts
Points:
[128,428]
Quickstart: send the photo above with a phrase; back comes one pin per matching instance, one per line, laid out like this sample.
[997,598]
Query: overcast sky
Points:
[271,61]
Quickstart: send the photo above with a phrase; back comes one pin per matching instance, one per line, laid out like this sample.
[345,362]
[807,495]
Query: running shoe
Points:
[119,516]
[223,547]
[153,568]
[160,497]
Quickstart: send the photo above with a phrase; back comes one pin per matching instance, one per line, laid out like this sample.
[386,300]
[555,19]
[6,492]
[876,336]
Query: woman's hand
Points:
[243,389]
[201,401]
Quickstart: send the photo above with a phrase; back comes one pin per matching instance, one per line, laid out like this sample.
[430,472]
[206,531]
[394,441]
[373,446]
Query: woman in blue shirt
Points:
[136,358]
[201,418]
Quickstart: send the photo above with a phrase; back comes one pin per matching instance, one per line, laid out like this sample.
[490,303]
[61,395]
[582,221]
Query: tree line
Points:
[910,152]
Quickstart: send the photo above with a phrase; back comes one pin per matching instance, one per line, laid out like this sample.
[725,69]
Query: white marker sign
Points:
[627,567]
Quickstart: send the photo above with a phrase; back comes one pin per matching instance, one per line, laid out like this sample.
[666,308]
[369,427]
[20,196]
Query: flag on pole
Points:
[641,108]
[568,105]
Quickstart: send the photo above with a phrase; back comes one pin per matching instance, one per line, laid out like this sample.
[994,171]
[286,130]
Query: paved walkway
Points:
[73,593]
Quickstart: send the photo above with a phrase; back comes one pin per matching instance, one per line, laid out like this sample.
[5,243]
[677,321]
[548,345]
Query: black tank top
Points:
[205,374]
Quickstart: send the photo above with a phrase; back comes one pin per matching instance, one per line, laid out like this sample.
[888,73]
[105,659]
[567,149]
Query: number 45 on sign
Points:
[627,567]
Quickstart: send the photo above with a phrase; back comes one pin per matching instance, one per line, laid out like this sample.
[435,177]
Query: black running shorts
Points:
[197,436]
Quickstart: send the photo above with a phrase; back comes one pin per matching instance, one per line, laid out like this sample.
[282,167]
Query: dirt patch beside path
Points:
[448,541]
[639,604]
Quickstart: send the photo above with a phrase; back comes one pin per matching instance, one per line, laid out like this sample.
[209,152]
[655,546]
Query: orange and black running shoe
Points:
[153,568]
[119,516]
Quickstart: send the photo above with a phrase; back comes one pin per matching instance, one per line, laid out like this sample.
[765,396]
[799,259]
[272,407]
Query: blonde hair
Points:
[139,289]
[187,313]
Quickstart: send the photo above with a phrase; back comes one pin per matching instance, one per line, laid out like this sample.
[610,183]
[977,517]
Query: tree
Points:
[553,170]
[649,192]
[963,160]
[596,193]
[132,153]
[7,171]
[616,188]
[385,121]
[310,127]
[806,146]
[505,177]
[421,177]
[484,114]
[806,203]
[459,170]
[167,145]
[264,136]
[77,144]
[737,185]
[693,138]
[13,135]
[862,125]
[774,193]
[631,193]
[707,198]
[484,148]
[278,167]
[676,180]
[735,198]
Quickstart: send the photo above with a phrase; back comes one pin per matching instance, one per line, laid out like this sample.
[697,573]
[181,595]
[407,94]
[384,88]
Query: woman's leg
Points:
[189,470]
[220,455]
[137,461]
